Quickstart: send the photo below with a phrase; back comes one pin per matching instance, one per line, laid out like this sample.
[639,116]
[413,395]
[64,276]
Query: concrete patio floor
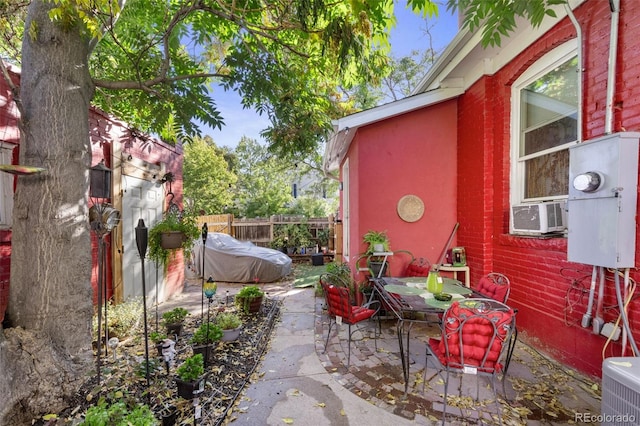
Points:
[299,383]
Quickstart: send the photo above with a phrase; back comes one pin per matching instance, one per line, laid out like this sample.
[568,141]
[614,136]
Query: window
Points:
[545,123]
[6,187]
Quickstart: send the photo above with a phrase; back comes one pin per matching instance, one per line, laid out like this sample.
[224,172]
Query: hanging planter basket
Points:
[172,240]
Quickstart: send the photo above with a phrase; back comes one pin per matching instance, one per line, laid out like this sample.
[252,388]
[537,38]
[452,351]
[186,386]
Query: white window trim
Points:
[544,65]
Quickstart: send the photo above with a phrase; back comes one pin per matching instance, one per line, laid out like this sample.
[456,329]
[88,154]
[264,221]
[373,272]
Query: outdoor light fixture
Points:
[100,181]
[210,288]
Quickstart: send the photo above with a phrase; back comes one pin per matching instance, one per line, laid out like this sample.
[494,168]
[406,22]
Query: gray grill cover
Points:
[231,260]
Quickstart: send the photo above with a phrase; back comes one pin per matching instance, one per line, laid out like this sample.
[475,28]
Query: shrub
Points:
[206,333]
[191,369]
[228,320]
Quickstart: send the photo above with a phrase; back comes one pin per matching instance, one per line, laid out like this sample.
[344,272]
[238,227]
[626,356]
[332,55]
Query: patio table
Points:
[410,302]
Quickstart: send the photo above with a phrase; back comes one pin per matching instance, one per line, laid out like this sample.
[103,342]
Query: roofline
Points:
[344,129]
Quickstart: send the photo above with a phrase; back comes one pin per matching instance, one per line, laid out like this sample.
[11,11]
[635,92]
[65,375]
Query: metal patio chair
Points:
[494,286]
[476,337]
[341,310]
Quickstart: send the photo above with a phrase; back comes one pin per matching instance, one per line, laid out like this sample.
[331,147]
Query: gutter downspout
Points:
[580,69]
[611,73]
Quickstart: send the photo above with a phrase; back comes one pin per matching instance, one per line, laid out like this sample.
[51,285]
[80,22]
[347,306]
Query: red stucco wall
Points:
[414,153]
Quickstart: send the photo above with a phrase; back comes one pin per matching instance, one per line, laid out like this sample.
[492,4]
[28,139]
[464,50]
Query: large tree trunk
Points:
[46,352]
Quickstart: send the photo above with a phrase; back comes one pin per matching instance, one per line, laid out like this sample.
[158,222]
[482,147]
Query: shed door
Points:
[141,199]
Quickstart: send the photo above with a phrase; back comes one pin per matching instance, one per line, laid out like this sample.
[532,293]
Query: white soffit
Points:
[465,59]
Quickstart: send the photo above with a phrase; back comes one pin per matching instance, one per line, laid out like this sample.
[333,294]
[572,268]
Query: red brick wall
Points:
[540,274]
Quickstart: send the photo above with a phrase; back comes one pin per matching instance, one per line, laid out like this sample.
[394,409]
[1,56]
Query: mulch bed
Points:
[229,370]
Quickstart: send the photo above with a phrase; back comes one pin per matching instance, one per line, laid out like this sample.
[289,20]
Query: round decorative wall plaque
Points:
[410,208]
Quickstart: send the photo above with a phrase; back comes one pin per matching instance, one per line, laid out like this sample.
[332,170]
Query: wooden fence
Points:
[260,230]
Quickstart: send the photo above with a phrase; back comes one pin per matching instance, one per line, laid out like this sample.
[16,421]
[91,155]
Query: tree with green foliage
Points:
[264,181]
[150,65]
[208,180]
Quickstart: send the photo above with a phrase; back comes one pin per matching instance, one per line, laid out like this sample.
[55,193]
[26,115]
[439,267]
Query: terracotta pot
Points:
[171,240]
[253,304]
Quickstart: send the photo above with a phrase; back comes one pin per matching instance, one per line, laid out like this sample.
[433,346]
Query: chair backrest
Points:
[495,286]
[475,334]
[337,298]
[418,267]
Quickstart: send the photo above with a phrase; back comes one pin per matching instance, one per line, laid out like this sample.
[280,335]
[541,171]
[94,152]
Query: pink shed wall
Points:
[104,133]
[414,153]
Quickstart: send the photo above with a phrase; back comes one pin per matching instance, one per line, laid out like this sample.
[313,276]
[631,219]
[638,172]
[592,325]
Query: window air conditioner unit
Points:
[538,218]
[620,391]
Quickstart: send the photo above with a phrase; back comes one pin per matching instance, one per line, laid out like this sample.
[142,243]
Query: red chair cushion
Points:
[339,305]
[414,270]
[478,337]
[492,290]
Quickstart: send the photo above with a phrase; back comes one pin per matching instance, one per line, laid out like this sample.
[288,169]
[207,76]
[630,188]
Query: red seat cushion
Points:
[414,270]
[492,290]
[478,337]
[339,305]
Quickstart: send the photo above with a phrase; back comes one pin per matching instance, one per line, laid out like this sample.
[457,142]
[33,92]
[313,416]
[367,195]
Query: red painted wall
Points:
[414,153]
[105,131]
[462,173]
[550,306]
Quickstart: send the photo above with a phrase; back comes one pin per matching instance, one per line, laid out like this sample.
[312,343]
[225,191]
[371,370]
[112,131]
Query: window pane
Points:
[547,175]
[549,119]
[549,109]
[550,135]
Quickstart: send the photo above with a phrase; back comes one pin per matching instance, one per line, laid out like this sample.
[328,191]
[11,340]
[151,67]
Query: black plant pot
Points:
[186,389]
[174,329]
[169,416]
[375,268]
[205,350]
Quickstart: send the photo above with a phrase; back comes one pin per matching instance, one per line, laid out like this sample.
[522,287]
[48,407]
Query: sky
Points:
[409,34]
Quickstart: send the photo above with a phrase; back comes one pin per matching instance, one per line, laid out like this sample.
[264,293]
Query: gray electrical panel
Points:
[603,181]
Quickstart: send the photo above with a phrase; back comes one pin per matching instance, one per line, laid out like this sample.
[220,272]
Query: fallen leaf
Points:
[288,420]
[321,404]
[49,417]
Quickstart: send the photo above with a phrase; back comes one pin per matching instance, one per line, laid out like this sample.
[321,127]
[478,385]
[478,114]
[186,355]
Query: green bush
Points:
[124,319]
[206,333]
[118,414]
[191,369]
[228,320]
[175,316]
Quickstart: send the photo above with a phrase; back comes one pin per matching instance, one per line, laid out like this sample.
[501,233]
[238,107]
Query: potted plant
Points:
[158,339]
[174,319]
[203,338]
[378,242]
[176,230]
[190,376]
[249,299]
[230,324]
[294,236]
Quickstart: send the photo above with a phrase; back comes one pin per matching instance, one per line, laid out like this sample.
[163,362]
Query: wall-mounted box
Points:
[601,216]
